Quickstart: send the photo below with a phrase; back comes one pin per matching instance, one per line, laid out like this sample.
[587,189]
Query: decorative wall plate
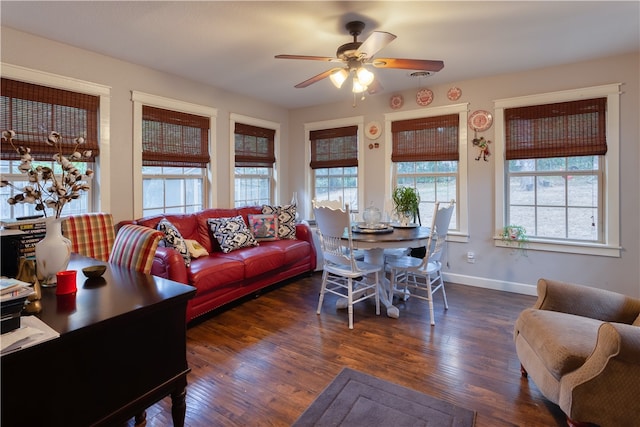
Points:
[373,130]
[480,120]
[454,93]
[424,97]
[396,101]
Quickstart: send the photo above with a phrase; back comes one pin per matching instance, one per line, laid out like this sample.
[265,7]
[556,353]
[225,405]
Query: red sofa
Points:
[224,277]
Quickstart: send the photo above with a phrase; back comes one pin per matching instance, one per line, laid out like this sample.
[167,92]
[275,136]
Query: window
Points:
[334,161]
[33,111]
[254,149]
[554,180]
[171,140]
[425,156]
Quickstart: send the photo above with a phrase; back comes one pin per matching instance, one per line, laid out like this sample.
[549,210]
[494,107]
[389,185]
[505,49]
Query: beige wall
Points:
[495,267]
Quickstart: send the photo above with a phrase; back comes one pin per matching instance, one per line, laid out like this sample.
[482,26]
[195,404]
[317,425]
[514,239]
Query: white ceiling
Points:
[232,44]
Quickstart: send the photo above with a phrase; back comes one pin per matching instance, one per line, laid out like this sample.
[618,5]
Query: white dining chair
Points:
[340,267]
[424,276]
[334,204]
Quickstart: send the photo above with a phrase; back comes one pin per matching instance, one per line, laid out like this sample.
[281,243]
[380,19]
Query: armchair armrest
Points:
[585,301]
[169,264]
[605,389]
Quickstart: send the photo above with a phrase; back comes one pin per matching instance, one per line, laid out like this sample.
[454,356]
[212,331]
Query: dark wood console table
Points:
[122,347]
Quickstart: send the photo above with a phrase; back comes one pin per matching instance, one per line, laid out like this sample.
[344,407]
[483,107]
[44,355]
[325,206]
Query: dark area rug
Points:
[356,399]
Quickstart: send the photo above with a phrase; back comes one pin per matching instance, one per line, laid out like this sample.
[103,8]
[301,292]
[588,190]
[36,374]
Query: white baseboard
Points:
[498,285]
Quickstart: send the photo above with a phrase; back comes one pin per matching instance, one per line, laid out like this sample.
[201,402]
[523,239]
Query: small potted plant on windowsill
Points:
[406,202]
[515,236]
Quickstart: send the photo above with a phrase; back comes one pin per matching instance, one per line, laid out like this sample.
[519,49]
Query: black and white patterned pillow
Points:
[286,219]
[173,239]
[231,233]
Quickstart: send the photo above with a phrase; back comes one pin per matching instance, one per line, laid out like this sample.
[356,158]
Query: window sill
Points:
[566,247]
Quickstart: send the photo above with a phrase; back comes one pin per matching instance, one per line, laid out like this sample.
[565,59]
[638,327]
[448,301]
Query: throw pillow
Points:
[173,239]
[231,233]
[196,250]
[263,227]
[286,219]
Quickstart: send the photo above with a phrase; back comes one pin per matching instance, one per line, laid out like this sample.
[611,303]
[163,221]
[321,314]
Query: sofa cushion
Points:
[173,239]
[204,235]
[562,341]
[293,250]
[215,271]
[231,233]
[263,227]
[258,260]
[286,219]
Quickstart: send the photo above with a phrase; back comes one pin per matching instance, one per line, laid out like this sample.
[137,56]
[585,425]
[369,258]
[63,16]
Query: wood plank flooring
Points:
[262,362]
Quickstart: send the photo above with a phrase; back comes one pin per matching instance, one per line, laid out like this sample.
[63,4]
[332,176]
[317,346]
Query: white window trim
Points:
[611,211]
[139,99]
[462,234]
[252,121]
[101,184]
[328,124]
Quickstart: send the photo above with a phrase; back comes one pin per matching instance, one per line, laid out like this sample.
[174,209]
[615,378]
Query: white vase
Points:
[52,253]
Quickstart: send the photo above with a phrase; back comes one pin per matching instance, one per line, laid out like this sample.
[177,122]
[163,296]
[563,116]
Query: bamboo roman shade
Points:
[254,146]
[34,111]
[576,128]
[425,139]
[172,138]
[336,147]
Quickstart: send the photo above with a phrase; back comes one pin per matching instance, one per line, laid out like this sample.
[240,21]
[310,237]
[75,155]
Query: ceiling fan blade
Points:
[316,78]
[312,58]
[408,64]
[374,43]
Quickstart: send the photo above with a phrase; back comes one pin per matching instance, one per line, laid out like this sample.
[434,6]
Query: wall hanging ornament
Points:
[483,148]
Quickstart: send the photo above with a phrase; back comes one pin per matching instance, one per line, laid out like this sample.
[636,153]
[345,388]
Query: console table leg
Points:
[179,406]
[141,418]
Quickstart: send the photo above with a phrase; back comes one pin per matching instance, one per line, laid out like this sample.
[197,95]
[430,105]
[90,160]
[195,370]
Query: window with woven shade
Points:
[254,162]
[33,111]
[173,138]
[425,157]
[559,178]
[334,163]
[564,129]
[175,160]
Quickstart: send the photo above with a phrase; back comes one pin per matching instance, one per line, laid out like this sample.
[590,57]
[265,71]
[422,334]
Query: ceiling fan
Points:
[356,56]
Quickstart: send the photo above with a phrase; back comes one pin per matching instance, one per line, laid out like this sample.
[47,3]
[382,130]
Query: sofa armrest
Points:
[169,264]
[605,389]
[585,301]
[303,232]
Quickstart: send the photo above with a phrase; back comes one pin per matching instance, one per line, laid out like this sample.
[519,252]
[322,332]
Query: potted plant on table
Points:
[406,202]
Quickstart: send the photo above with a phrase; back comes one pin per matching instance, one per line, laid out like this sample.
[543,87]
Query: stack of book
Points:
[18,240]
[25,234]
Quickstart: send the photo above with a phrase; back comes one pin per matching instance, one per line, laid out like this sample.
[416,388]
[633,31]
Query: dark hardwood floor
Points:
[262,362]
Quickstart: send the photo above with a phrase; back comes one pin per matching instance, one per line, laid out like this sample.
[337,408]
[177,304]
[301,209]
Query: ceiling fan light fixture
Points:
[357,86]
[338,77]
[365,77]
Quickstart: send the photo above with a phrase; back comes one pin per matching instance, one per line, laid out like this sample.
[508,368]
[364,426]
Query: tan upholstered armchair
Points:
[581,347]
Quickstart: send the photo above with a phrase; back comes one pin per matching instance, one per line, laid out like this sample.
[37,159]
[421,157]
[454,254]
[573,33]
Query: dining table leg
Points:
[375,256]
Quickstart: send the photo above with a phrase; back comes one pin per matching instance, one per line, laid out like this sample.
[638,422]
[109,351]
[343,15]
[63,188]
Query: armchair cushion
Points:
[564,341]
[135,247]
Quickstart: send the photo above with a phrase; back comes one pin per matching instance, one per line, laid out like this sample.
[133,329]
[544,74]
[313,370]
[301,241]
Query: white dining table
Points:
[373,245]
